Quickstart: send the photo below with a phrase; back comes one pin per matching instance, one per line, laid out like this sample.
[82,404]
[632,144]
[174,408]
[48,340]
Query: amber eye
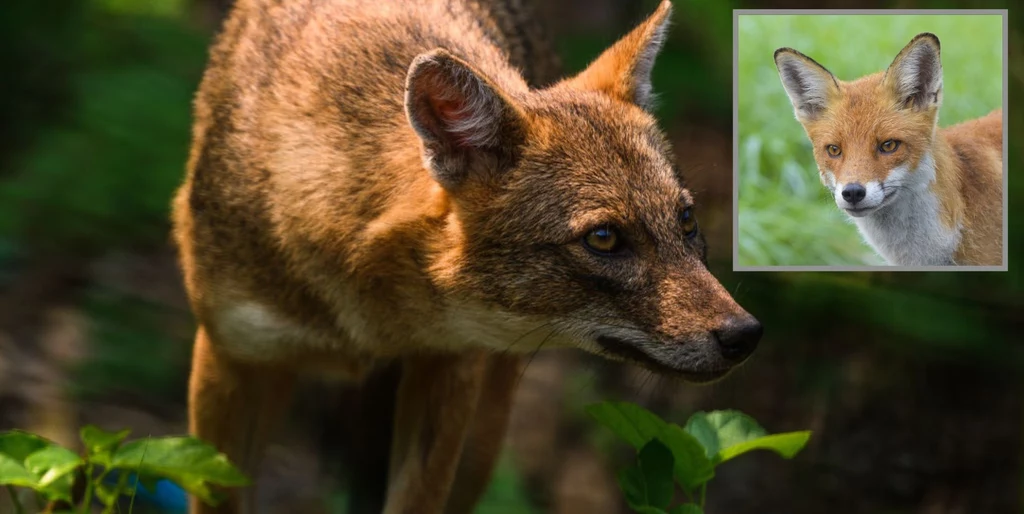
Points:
[603,240]
[689,222]
[889,146]
[833,150]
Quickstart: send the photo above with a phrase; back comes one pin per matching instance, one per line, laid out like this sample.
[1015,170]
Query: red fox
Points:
[918,194]
[374,182]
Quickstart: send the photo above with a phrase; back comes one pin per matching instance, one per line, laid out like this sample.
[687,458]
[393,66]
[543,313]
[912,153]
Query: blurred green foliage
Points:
[40,43]
[103,176]
[785,216]
[506,493]
[172,8]
[935,317]
[96,128]
[132,354]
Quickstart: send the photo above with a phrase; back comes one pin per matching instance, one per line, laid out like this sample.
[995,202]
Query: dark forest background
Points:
[911,382]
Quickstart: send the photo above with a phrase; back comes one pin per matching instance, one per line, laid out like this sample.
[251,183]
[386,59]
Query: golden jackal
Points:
[376,181]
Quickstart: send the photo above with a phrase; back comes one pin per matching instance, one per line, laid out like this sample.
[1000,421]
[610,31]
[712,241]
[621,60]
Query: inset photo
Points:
[870,139]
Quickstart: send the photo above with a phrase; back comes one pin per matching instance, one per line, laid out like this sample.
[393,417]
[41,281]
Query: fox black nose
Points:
[854,193]
[738,336]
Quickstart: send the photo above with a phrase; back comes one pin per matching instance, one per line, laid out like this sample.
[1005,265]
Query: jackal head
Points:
[573,222]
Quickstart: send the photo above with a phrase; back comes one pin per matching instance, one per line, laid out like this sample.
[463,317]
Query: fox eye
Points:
[604,240]
[689,223]
[833,150]
[889,146]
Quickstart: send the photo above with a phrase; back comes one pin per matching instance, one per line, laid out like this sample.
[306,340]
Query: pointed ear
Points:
[811,87]
[623,71]
[915,76]
[467,124]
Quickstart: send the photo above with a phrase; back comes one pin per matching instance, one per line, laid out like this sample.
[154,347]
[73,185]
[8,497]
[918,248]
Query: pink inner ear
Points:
[453,117]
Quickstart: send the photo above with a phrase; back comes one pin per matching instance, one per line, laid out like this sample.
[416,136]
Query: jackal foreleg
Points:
[434,411]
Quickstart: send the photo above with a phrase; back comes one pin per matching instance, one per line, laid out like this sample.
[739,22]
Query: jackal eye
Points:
[833,151]
[604,240]
[689,222]
[889,146]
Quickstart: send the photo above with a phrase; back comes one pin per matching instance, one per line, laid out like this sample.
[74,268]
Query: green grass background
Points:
[785,216]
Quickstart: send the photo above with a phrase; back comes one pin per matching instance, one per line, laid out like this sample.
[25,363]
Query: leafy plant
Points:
[107,463]
[669,455]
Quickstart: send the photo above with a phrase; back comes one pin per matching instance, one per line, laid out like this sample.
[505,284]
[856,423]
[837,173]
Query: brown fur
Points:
[860,114]
[373,180]
[975,149]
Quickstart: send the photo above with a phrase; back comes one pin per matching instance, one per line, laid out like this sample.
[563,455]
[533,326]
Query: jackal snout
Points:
[696,357]
[695,329]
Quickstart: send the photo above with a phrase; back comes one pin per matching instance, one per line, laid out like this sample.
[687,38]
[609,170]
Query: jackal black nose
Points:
[854,193]
[738,336]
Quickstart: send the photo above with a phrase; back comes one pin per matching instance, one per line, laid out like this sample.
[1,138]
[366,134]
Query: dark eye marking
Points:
[601,284]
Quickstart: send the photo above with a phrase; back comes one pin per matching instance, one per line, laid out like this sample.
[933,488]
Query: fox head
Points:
[872,136]
[569,212]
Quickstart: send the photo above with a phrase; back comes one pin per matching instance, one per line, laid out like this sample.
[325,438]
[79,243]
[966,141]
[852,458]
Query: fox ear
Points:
[467,124]
[809,85]
[623,71]
[915,76]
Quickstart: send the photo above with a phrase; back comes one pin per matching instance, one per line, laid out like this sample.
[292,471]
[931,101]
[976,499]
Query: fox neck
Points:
[921,227]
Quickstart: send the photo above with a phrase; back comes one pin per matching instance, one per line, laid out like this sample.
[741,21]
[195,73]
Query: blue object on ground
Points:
[167,496]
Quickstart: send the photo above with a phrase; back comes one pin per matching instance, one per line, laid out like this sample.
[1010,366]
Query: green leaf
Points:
[13,472]
[60,488]
[633,423]
[649,482]
[692,466]
[96,438]
[55,467]
[148,482]
[51,463]
[107,494]
[631,481]
[637,426]
[721,429]
[657,463]
[100,444]
[726,434]
[687,508]
[19,444]
[786,445]
[189,462]
[27,460]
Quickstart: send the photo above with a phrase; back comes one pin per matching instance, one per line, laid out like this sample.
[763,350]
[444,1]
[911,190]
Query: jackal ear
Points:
[464,120]
[809,85]
[623,71]
[915,76]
